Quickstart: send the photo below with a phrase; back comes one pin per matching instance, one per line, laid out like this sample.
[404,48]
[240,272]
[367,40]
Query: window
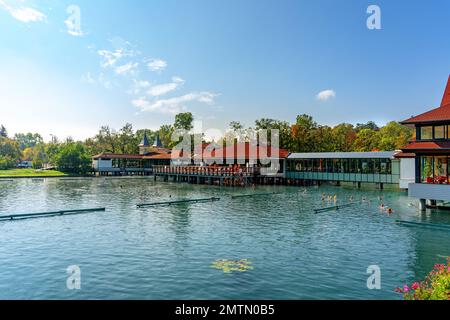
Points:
[426,133]
[439,132]
[434,170]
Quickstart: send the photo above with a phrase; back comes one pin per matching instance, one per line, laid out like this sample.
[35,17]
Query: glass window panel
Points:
[426,169]
[439,132]
[426,133]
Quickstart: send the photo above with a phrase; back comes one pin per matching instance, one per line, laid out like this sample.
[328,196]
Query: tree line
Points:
[305,135]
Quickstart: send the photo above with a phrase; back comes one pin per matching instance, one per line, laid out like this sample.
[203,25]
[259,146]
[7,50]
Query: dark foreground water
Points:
[167,252]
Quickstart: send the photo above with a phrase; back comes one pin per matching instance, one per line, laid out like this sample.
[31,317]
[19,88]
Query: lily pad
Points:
[230,266]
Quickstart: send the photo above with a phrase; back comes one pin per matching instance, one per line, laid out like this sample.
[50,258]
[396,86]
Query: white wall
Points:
[407,172]
[430,191]
[102,164]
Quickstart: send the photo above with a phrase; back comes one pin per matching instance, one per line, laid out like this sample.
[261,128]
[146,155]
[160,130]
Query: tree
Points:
[9,148]
[369,125]
[28,140]
[344,136]
[303,134]
[3,132]
[366,140]
[394,136]
[106,140]
[9,153]
[165,134]
[126,140]
[6,162]
[72,158]
[283,127]
[183,121]
[236,126]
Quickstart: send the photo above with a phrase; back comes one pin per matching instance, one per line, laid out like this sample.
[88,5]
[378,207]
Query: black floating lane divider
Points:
[253,195]
[423,224]
[168,203]
[48,214]
[334,207]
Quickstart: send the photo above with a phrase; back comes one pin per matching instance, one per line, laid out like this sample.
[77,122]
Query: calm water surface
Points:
[167,252]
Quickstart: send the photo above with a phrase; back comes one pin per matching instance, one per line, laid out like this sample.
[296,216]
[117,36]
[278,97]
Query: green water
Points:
[167,252]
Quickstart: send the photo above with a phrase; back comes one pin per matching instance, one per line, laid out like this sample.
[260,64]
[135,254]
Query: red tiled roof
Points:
[238,151]
[152,155]
[439,114]
[117,156]
[427,145]
[404,155]
[446,97]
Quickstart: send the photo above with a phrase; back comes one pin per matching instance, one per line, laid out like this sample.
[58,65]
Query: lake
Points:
[167,252]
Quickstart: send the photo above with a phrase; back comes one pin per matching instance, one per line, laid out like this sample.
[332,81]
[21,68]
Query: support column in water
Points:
[423,205]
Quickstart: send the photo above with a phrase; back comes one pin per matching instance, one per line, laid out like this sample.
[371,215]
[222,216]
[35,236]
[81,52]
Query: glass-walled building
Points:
[374,167]
[432,152]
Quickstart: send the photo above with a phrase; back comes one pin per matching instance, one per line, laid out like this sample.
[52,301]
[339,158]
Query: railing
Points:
[206,171]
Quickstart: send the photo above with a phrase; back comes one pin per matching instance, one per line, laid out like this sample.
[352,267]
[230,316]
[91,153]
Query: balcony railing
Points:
[206,171]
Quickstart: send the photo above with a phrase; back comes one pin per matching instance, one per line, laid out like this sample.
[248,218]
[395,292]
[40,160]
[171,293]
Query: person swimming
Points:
[389,211]
[382,206]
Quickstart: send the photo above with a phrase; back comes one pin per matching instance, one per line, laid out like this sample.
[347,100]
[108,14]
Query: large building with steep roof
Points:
[431,149]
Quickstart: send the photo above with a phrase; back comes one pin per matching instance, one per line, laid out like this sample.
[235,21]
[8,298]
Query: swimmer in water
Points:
[350,199]
[389,211]
[323,196]
[382,207]
[335,198]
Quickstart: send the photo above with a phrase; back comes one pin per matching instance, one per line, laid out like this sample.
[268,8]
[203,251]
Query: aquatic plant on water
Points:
[435,287]
[229,266]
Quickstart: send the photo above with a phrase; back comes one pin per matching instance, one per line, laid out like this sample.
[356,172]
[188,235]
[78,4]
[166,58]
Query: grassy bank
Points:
[23,173]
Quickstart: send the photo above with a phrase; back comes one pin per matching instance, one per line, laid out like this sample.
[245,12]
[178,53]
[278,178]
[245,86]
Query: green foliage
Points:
[369,125]
[394,136]
[6,162]
[9,148]
[435,287]
[28,140]
[165,134]
[283,127]
[183,121]
[72,158]
[366,140]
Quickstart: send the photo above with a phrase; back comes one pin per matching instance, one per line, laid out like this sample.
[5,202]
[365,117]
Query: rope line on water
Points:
[142,205]
[48,214]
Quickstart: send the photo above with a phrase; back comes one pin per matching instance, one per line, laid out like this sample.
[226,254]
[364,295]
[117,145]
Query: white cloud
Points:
[165,88]
[138,86]
[24,14]
[127,68]
[173,105]
[326,95]
[110,58]
[157,65]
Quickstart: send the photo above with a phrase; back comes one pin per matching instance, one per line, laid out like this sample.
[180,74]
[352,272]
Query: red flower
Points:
[415,286]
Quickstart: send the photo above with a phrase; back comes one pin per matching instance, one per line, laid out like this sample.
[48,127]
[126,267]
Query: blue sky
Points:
[143,61]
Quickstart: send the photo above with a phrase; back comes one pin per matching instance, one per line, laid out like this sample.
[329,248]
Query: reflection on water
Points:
[166,252]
